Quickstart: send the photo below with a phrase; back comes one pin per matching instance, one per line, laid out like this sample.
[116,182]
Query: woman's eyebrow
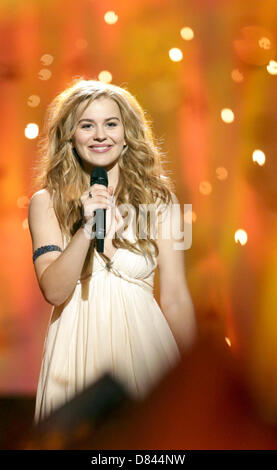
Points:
[91,120]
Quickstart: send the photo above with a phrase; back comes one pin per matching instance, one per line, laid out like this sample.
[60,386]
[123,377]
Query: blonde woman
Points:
[104,316]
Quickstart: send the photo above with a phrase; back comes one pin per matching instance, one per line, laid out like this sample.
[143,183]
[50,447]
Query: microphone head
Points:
[99,176]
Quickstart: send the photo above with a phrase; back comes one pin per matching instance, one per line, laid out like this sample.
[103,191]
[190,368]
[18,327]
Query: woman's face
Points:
[99,136]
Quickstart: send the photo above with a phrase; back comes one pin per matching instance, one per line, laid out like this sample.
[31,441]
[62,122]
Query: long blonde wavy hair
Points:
[142,179]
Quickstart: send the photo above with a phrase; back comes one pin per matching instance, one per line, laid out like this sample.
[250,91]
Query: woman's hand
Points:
[101,199]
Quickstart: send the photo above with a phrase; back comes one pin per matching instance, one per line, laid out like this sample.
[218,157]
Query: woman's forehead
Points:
[102,103]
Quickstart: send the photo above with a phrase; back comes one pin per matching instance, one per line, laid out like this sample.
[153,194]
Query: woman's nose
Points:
[99,133]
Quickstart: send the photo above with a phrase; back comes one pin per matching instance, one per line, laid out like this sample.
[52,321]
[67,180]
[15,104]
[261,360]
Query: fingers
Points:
[100,199]
[97,189]
[99,193]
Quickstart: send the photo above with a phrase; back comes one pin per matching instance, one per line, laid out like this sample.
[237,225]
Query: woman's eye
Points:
[110,124]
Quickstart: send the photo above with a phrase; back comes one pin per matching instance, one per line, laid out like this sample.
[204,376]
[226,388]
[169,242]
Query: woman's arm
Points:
[57,273]
[175,299]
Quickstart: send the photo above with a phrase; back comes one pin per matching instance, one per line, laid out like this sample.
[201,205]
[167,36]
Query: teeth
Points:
[105,147]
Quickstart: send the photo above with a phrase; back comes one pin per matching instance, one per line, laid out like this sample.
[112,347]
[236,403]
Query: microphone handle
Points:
[100,224]
[99,175]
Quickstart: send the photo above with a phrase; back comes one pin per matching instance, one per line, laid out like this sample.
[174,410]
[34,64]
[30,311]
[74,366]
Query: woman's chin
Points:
[100,162]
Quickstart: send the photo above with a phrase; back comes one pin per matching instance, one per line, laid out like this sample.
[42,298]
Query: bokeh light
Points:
[205,188]
[44,74]
[187,33]
[31,131]
[228,341]
[46,59]
[258,156]
[241,236]
[110,17]
[237,76]
[255,45]
[175,54]
[221,173]
[227,115]
[33,101]
[105,76]
[272,67]
[265,43]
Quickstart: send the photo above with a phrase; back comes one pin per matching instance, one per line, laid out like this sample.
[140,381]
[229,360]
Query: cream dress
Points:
[111,323]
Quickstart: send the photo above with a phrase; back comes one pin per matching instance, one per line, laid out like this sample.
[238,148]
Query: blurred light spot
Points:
[255,45]
[228,341]
[193,216]
[33,101]
[44,74]
[258,156]
[105,76]
[81,44]
[205,188]
[227,115]
[22,202]
[187,33]
[272,67]
[46,59]
[241,236]
[221,173]
[265,43]
[31,131]
[110,17]
[25,224]
[237,76]
[175,54]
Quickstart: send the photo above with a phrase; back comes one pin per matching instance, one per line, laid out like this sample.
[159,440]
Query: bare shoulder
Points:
[41,197]
[43,222]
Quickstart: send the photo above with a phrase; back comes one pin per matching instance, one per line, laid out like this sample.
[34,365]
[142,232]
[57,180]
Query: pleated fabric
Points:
[111,323]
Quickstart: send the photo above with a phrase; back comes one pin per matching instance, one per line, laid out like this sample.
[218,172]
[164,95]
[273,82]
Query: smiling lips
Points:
[100,149]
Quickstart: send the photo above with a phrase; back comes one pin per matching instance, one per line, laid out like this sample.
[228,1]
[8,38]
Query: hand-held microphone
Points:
[99,176]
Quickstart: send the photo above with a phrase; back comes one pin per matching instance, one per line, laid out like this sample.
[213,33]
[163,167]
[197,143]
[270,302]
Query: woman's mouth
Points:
[100,149]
